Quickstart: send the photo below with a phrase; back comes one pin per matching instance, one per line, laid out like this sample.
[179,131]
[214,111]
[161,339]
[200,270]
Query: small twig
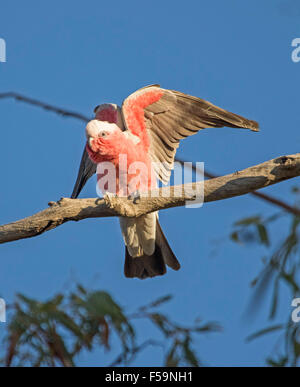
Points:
[43,105]
[133,351]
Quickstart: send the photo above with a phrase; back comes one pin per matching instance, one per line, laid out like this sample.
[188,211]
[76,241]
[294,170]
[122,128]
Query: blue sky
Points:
[79,54]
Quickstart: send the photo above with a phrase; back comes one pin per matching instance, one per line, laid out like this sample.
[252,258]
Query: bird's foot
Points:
[109,198]
[135,197]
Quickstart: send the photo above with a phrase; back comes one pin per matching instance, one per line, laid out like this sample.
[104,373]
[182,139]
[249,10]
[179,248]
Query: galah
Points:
[148,128]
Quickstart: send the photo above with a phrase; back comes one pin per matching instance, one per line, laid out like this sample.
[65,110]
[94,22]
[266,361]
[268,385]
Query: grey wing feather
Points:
[86,169]
[176,116]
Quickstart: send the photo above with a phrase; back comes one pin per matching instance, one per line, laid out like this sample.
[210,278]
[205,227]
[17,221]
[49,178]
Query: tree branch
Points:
[268,198]
[43,105]
[76,115]
[219,188]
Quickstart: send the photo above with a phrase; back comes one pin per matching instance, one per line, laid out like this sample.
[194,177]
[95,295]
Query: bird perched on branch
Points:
[146,130]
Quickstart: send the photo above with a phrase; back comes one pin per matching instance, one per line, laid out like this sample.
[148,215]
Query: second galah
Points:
[146,131]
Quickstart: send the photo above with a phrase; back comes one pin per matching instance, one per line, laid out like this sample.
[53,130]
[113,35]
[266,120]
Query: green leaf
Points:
[209,327]
[81,289]
[296,348]
[274,299]
[161,322]
[248,221]
[172,359]
[158,302]
[264,332]
[263,234]
[234,236]
[282,362]
[189,355]
[100,304]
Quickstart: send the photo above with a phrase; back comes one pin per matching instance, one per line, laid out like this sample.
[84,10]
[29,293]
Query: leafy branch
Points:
[282,266]
[55,332]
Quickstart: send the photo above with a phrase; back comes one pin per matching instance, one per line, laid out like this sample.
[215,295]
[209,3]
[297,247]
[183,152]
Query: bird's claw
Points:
[109,198]
[135,197]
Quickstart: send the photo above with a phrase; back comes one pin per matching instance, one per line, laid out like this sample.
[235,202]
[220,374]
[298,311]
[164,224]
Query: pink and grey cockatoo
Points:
[148,128]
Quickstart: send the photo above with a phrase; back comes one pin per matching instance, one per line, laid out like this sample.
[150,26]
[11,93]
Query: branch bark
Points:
[268,198]
[224,187]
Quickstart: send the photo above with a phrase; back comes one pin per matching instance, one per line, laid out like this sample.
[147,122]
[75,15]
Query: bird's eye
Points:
[103,134]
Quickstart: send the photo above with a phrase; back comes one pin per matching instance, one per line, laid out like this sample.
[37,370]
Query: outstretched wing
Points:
[161,118]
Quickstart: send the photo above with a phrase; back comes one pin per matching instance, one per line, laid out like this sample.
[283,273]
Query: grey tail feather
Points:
[152,265]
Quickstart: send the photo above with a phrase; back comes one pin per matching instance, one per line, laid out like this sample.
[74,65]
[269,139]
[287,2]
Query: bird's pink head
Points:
[104,133]
[101,137]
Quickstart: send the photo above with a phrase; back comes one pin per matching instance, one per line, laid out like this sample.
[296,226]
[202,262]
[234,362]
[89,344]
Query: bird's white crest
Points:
[95,127]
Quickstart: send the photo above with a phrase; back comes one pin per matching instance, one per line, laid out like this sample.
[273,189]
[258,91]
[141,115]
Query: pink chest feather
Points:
[123,167]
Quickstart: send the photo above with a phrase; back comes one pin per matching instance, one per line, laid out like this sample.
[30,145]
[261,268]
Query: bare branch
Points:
[43,105]
[219,188]
[269,198]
